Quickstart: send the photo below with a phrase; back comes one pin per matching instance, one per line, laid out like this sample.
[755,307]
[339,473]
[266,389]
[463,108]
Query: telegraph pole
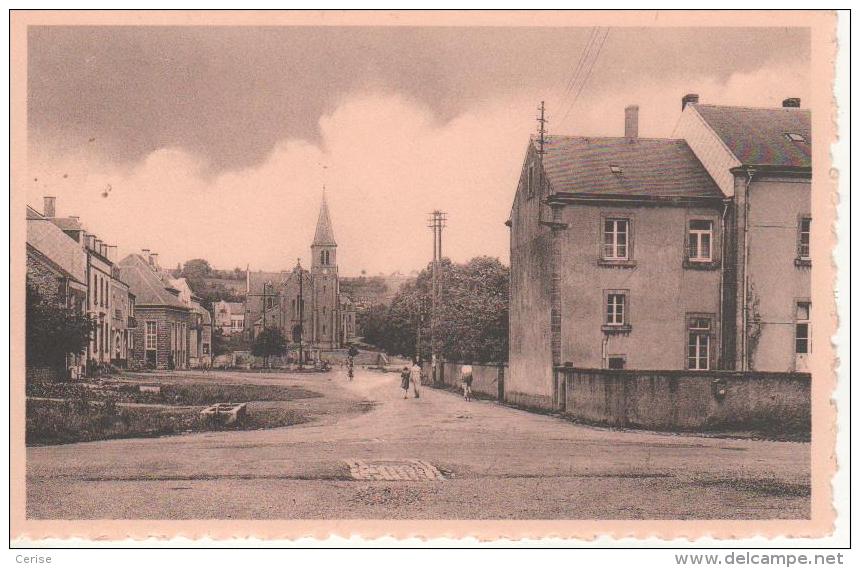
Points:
[301,307]
[437,222]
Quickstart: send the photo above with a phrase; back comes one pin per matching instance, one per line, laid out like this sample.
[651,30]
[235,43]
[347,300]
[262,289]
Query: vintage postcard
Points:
[422,274]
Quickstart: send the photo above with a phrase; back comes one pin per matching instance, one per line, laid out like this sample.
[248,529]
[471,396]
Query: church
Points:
[305,304]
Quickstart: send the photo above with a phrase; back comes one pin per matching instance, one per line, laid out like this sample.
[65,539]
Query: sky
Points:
[215,143]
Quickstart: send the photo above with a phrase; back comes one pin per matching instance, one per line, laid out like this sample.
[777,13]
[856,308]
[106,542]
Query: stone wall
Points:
[487,380]
[689,401]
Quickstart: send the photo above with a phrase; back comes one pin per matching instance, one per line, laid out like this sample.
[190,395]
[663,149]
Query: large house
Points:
[57,271]
[662,254]
[306,305]
[108,301]
[161,338]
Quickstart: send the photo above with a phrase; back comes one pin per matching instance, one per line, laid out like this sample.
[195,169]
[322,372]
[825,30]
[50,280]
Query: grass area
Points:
[186,394]
[62,422]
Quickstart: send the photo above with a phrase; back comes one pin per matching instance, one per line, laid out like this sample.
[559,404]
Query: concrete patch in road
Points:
[393,470]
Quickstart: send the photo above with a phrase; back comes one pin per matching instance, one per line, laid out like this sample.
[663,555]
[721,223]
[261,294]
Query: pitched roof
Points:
[324,234]
[67,223]
[644,167]
[757,136]
[58,247]
[149,286]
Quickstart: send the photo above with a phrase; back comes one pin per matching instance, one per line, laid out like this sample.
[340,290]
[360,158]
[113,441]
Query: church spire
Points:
[324,235]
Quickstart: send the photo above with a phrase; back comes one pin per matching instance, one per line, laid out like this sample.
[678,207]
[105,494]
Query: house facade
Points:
[229,317]
[161,337]
[57,270]
[108,298]
[637,253]
[761,158]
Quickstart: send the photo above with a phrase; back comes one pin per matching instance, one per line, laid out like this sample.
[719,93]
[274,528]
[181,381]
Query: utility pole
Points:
[301,309]
[437,222]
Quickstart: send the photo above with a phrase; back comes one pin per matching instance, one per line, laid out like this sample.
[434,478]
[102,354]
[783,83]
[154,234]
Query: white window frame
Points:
[612,305]
[695,236]
[699,339]
[610,243]
[150,340]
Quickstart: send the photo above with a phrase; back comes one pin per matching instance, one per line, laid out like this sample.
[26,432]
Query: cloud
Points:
[389,162]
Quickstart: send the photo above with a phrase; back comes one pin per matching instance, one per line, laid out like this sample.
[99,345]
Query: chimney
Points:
[111,249]
[791,102]
[689,99]
[145,254]
[50,207]
[631,121]
[97,244]
[153,259]
[74,218]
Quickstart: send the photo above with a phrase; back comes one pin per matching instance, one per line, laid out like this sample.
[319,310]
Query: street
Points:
[368,453]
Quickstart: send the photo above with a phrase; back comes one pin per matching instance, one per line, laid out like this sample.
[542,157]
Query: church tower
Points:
[326,318]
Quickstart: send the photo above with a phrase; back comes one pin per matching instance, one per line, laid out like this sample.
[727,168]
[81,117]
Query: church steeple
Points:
[324,247]
[324,235]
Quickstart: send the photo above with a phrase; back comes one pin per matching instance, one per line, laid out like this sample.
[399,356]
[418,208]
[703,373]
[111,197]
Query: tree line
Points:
[471,314]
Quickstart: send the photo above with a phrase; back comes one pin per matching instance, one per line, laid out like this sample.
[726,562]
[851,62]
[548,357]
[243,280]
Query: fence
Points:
[487,379]
[688,401]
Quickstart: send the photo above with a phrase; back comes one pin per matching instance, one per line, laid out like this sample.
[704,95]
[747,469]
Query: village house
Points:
[161,338]
[306,305]
[109,344]
[627,253]
[229,317]
[761,160]
[57,270]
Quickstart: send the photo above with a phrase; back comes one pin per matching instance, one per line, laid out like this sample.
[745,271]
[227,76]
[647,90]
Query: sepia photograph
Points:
[422,273]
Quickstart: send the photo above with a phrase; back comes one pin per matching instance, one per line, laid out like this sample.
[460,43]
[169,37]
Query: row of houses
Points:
[142,317]
[690,253]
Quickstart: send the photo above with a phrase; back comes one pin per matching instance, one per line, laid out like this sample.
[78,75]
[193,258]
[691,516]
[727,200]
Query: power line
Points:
[578,69]
[587,75]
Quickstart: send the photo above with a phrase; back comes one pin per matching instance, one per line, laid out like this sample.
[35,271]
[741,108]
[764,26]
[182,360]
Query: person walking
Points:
[415,377]
[466,380]
[404,382]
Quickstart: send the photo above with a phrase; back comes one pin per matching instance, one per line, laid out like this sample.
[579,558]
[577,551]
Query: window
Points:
[95,289]
[270,302]
[615,362]
[803,241]
[699,343]
[616,233]
[615,308]
[801,328]
[700,240]
[151,339]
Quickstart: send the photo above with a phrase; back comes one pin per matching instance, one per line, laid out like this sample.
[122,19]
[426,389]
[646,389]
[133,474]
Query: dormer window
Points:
[616,169]
[795,137]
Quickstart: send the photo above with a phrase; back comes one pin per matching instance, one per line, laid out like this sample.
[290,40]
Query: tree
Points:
[269,342]
[53,331]
[471,313]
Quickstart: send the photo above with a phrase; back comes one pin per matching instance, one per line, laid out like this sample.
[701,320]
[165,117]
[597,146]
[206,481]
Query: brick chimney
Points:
[631,121]
[689,99]
[50,206]
[791,102]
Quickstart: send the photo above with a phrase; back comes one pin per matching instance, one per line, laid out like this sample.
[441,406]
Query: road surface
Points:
[370,454]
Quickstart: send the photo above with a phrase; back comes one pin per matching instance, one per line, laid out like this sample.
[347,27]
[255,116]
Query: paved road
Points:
[497,463]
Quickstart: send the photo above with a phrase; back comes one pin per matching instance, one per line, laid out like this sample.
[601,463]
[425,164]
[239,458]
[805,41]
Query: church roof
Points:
[324,235]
